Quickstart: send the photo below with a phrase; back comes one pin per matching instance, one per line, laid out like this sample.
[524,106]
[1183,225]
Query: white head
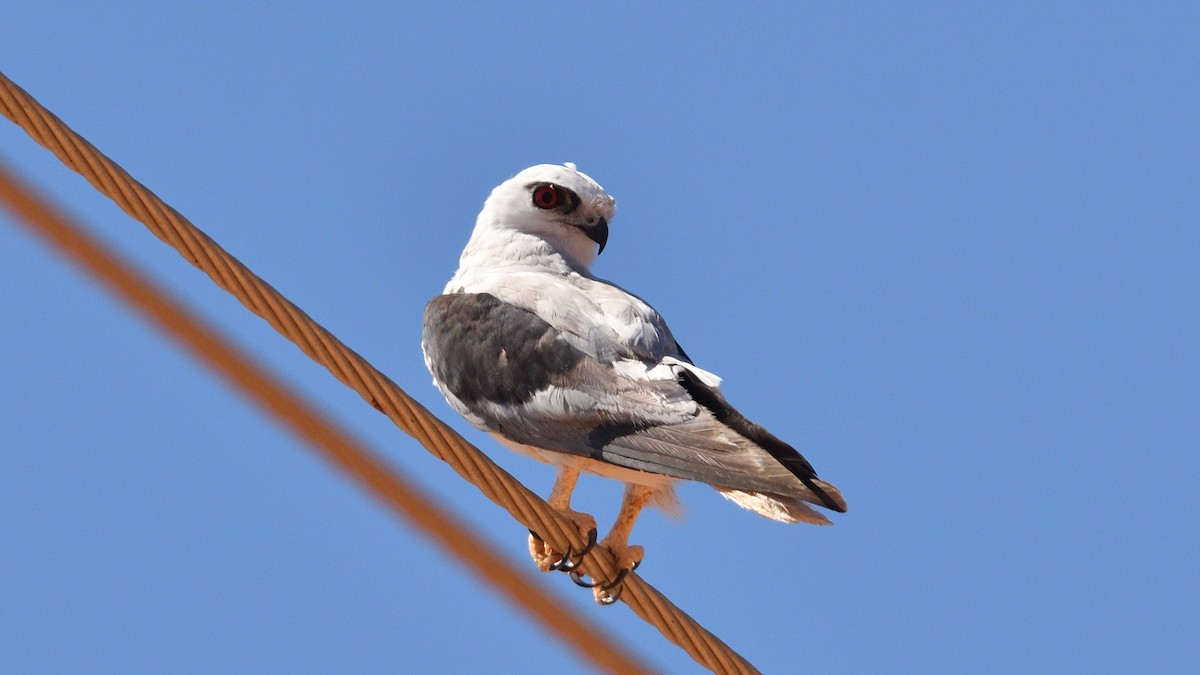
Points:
[557,204]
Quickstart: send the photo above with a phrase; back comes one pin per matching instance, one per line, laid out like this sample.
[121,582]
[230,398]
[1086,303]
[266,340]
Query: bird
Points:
[556,363]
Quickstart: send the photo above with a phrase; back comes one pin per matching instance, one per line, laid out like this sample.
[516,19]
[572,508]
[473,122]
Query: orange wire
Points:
[332,442]
[351,369]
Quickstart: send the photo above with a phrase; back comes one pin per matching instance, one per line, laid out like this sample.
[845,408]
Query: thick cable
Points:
[334,443]
[354,371]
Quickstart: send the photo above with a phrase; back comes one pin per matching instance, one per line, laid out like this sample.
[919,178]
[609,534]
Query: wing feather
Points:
[663,416]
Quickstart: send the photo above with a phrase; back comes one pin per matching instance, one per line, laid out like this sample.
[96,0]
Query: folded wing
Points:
[512,373]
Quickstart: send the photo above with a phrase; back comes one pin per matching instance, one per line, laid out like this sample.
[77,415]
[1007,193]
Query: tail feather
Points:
[788,508]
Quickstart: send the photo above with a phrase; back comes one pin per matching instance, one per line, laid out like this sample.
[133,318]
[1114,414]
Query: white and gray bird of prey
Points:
[575,371]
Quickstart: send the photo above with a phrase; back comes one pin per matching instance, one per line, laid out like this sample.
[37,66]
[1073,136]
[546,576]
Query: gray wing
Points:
[512,373]
[595,316]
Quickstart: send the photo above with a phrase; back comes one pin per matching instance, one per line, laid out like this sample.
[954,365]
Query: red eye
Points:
[546,197]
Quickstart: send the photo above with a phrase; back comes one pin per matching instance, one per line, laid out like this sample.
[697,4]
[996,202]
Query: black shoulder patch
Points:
[782,452]
[483,349]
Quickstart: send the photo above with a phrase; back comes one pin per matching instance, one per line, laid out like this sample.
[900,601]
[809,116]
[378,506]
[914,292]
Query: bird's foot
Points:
[549,560]
[629,558]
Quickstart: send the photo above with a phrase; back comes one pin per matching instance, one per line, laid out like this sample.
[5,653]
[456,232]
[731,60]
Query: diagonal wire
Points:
[351,369]
[336,444]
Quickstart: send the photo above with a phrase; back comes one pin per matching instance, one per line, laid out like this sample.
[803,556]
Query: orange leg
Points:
[546,558]
[617,540]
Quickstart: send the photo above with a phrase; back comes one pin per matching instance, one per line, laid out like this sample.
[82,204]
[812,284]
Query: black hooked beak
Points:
[598,232]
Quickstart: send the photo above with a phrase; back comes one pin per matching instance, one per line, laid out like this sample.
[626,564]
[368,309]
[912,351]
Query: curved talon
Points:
[570,562]
[563,564]
[617,582]
[609,598]
[591,543]
[554,565]
[578,579]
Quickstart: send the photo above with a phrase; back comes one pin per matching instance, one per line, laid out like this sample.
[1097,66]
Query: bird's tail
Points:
[787,508]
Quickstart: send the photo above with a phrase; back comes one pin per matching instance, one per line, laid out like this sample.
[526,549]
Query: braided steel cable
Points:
[336,444]
[354,371]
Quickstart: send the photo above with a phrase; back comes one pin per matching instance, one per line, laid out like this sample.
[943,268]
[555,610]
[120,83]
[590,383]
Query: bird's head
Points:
[556,203]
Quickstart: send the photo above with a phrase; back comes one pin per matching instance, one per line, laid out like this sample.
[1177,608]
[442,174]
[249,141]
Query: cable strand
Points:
[410,416]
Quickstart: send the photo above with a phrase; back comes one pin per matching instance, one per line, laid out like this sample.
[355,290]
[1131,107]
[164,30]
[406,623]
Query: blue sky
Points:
[947,250]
